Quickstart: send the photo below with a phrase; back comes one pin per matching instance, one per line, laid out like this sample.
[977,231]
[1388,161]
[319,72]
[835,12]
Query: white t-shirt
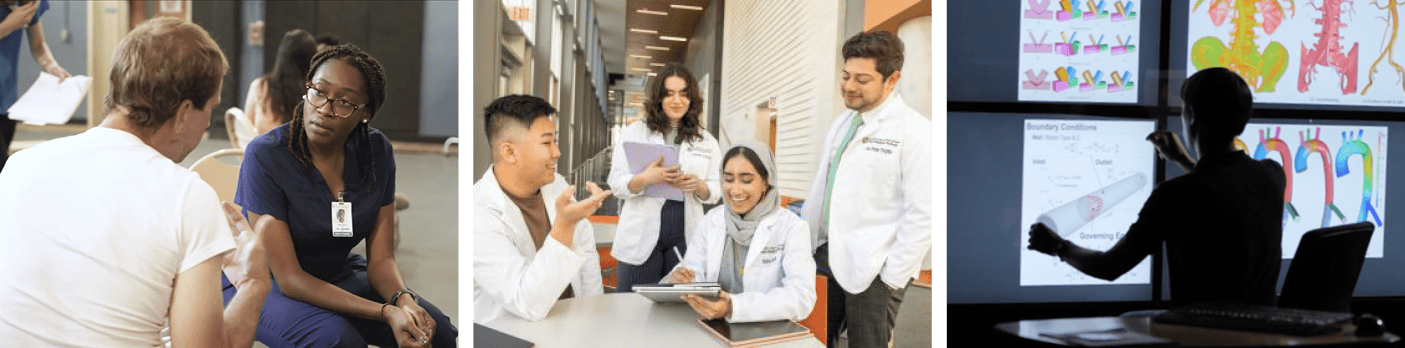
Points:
[94,229]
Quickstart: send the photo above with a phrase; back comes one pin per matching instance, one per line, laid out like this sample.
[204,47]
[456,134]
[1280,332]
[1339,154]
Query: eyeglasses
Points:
[340,107]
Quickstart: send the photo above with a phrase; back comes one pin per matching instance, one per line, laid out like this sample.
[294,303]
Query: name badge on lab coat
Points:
[341,219]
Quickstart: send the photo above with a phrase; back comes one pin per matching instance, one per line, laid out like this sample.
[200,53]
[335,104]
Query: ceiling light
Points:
[640,69]
[656,13]
[656,48]
[646,31]
[672,38]
[687,7]
[652,74]
[640,57]
[658,64]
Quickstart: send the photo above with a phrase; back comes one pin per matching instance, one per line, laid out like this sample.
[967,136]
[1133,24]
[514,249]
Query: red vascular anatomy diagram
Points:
[1327,51]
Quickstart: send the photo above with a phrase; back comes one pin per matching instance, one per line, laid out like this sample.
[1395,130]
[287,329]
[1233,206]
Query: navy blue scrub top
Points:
[272,182]
[9,57]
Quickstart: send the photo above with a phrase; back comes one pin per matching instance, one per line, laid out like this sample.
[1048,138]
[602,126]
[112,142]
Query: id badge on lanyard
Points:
[341,216]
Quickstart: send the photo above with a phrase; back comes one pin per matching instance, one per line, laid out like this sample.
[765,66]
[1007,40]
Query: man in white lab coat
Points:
[869,208]
[529,245]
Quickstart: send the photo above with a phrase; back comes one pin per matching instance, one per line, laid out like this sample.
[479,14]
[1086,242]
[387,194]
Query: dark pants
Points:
[870,315]
[7,136]
[286,322]
[661,259]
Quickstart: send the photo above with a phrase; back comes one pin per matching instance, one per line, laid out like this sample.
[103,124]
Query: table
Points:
[619,320]
[1188,336]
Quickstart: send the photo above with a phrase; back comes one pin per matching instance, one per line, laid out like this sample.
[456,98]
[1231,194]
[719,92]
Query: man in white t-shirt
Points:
[104,238]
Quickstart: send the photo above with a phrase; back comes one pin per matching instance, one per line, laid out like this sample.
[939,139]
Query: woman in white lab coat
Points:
[651,226]
[758,251]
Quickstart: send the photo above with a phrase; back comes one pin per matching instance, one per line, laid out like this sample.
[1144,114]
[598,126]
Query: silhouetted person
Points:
[1222,222]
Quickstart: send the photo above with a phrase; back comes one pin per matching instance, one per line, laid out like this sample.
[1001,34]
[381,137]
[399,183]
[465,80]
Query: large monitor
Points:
[1329,55]
[1101,51]
[1338,172]
[1086,177]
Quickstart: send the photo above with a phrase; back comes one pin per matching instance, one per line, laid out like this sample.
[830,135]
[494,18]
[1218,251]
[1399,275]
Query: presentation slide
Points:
[1336,175]
[1079,52]
[1087,181]
[1320,52]
[988,230]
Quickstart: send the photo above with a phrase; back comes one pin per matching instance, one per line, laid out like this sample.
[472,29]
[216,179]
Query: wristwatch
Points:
[407,291]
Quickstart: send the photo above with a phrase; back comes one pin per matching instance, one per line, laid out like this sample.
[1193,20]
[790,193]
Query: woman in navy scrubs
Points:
[293,180]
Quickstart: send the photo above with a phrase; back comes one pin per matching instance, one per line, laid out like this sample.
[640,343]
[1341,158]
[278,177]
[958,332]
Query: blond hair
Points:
[160,64]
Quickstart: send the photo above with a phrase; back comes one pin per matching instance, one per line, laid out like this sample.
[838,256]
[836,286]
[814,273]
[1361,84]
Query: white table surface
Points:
[619,320]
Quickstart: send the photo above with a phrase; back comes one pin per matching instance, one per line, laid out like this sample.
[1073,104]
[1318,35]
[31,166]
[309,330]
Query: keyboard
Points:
[1289,321]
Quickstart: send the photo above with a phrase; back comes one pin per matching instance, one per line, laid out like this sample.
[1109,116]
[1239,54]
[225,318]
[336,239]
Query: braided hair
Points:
[375,91]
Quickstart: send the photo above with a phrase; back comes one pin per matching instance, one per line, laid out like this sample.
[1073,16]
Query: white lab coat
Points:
[509,274]
[880,215]
[779,281]
[638,229]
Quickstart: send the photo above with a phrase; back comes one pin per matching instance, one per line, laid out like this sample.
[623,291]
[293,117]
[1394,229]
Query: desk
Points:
[619,320]
[1188,336]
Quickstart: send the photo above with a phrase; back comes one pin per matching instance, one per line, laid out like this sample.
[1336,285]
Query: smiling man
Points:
[870,204]
[529,247]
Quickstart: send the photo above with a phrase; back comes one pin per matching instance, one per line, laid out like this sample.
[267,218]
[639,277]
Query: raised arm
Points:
[195,312]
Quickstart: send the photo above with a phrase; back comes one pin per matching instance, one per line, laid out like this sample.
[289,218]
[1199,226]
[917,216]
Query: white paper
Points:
[50,102]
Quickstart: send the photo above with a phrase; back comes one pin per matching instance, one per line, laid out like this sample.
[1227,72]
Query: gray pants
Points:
[869,315]
[872,314]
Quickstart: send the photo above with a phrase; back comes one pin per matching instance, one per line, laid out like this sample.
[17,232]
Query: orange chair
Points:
[818,321]
[607,263]
[607,268]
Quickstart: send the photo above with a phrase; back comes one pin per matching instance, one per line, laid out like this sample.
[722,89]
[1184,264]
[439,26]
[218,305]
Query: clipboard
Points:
[640,155]
[754,334]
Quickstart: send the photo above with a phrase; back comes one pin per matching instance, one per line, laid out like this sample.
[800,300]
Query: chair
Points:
[239,127]
[450,141]
[1323,273]
[224,178]
[818,321]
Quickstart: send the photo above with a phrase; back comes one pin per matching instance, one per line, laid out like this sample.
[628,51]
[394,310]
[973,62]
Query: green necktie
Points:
[829,179]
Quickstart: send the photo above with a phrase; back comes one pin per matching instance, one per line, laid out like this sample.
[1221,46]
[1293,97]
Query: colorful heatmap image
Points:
[1073,51]
[1086,180]
[1336,175]
[1329,52]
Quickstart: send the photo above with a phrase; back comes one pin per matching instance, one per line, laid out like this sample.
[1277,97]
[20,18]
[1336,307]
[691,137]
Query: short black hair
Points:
[883,46]
[328,40]
[514,109]
[750,156]
[1220,102]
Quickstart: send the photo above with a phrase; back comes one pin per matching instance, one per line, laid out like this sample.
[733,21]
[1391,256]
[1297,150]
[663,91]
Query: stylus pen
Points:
[680,255]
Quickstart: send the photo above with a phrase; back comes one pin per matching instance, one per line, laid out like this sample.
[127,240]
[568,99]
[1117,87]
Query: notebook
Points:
[756,333]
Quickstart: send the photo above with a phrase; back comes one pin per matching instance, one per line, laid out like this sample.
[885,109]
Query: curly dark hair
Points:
[689,128]
[375,89]
[285,81]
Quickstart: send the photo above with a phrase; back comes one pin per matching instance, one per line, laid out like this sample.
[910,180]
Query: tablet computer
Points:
[674,292]
[756,333]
